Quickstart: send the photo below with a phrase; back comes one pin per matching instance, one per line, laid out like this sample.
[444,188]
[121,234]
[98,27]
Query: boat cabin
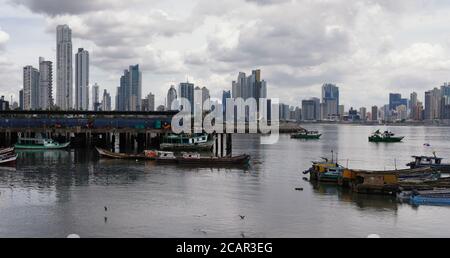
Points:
[36,141]
[425,160]
[185,138]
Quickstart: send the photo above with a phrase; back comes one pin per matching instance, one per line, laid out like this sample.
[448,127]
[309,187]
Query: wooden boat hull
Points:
[306,137]
[41,147]
[9,161]
[216,161]
[113,155]
[387,139]
[202,161]
[6,150]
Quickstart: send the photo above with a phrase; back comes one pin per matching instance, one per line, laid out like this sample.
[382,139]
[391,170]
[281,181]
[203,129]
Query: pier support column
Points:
[8,138]
[216,145]
[229,145]
[221,145]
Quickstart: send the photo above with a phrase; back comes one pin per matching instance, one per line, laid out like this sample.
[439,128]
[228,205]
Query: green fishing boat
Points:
[39,143]
[387,136]
[305,134]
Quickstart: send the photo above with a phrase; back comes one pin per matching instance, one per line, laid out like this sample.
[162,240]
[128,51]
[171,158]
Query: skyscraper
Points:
[128,96]
[362,113]
[21,100]
[148,104]
[96,105]
[64,70]
[310,109]
[205,94]
[374,113]
[171,96]
[413,105]
[330,99]
[186,90]
[45,84]
[30,88]
[432,104]
[225,95]
[395,100]
[82,79]
[106,101]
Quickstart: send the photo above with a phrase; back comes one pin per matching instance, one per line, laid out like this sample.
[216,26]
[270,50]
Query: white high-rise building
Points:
[96,97]
[45,84]
[64,69]
[82,79]
[171,96]
[30,88]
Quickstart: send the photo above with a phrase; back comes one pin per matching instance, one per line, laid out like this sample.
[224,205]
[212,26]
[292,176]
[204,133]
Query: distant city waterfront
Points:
[57,193]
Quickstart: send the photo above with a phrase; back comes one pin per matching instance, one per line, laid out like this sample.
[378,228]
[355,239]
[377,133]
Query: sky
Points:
[368,48]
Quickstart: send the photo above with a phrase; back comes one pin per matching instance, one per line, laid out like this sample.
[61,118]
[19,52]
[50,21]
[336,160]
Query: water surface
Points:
[56,193]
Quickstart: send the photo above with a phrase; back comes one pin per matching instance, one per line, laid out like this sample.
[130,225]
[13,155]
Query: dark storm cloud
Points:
[59,7]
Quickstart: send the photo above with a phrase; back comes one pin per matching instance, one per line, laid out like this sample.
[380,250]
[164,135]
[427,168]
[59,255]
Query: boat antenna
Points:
[395,164]
[332,157]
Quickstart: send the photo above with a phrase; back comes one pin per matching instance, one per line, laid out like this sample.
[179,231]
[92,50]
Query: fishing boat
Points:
[386,136]
[8,159]
[114,155]
[380,182]
[429,161]
[325,171]
[187,142]
[185,159]
[6,150]
[305,134]
[39,143]
[197,159]
[430,197]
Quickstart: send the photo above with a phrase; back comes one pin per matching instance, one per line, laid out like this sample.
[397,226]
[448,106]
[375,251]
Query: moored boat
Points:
[6,150]
[39,143]
[429,197]
[305,134]
[380,182]
[114,155]
[186,142]
[8,159]
[429,161]
[185,159]
[386,136]
[325,171]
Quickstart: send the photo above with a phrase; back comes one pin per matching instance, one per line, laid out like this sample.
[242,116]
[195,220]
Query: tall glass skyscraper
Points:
[330,100]
[129,92]
[82,79]
[64,69]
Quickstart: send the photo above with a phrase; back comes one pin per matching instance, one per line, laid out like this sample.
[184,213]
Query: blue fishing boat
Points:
[433,197]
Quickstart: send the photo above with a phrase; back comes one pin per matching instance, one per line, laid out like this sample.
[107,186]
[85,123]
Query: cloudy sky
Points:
[368,48]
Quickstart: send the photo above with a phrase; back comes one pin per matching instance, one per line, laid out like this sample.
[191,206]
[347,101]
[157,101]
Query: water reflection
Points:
[362,201]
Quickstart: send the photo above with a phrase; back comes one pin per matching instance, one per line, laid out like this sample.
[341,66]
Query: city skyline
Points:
[381,61]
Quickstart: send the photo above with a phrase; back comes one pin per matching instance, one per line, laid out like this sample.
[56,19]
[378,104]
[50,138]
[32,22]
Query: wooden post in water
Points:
[221,145]
[229,144]
[216,145]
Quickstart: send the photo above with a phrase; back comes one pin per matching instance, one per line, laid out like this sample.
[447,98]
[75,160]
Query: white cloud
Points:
[4,37]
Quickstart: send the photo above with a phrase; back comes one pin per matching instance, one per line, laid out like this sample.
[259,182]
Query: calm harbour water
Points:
[56,193]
